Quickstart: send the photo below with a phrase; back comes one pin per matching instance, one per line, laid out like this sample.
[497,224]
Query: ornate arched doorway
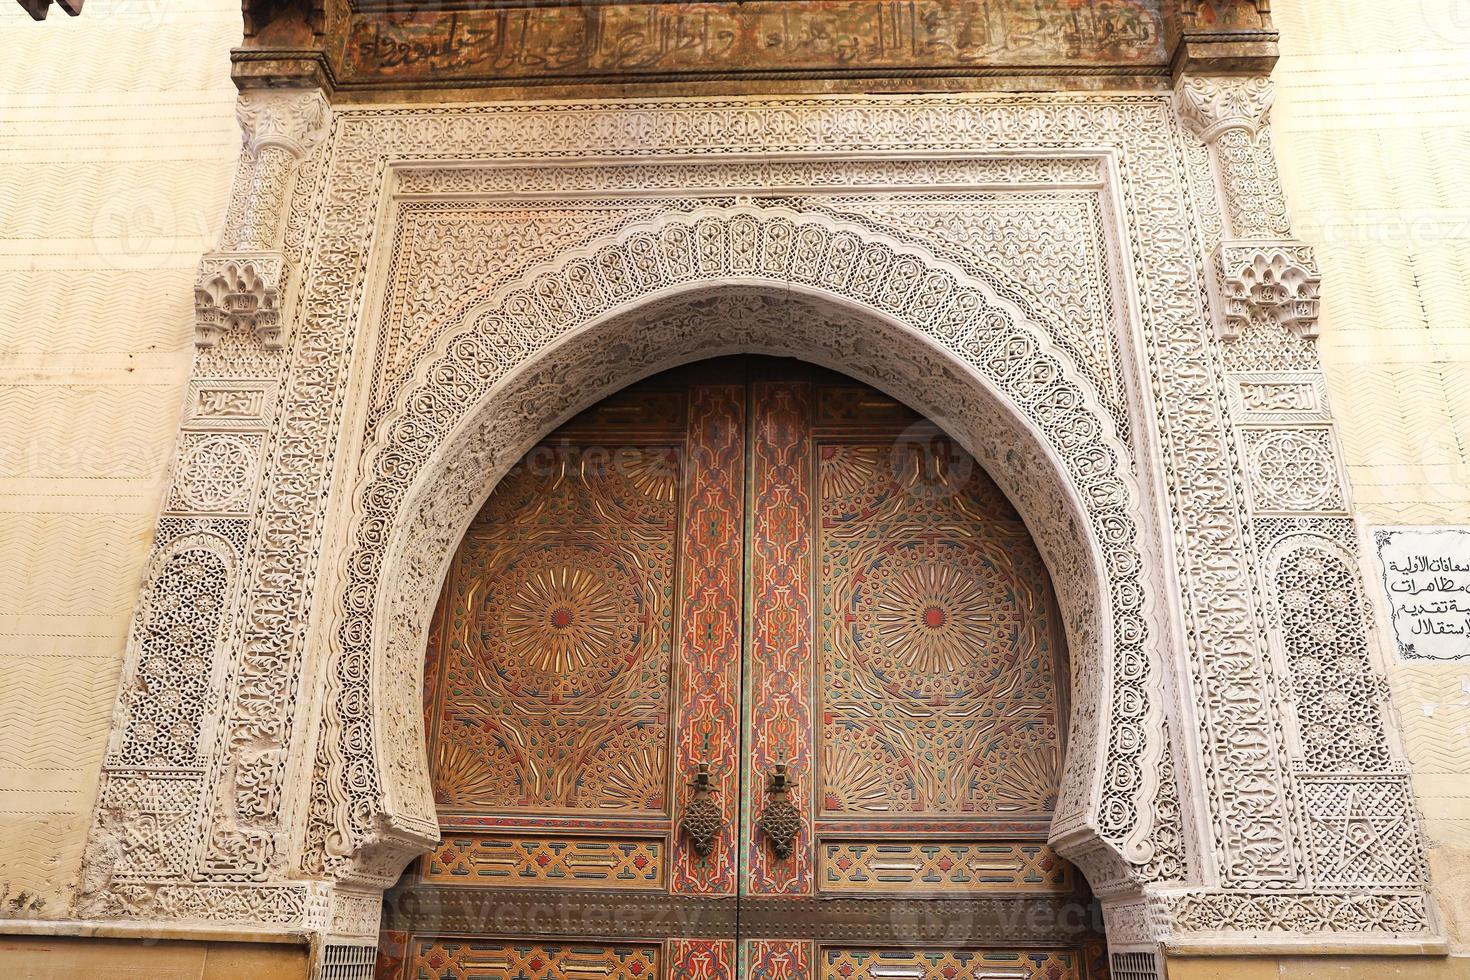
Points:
[746,670]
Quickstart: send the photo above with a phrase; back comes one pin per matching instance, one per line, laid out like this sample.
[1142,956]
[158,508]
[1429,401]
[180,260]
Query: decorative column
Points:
[1356,867]
[188,826]
[1259,269]
[238,286]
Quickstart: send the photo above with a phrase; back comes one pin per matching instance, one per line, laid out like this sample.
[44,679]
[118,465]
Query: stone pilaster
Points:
[239,285]
[1259,269]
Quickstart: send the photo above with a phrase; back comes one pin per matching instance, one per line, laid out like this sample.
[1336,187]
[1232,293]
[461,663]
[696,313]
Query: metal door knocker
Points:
[781,821]
[703,818]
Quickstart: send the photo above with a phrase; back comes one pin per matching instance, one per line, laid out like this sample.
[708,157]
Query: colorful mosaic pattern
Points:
[780,668]
[951,867]
[556,637]
[949,964]
[701,959]
[779,959]
[707,724]
[434,958]
[543,862]
[939,645]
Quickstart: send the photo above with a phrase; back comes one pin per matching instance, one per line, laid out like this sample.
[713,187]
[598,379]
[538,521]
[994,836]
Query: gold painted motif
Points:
[552,650]
[434,958]
[948,964]
[948,867]
[542,862]
[939,644]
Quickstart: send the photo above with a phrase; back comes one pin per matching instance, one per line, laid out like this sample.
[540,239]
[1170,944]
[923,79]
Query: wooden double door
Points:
[746,671]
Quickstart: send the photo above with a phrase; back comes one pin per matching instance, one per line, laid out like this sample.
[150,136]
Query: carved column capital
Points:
[1210,106]
[296,120]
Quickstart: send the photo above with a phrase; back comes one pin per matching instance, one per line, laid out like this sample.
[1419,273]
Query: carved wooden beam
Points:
[1220,36]
[284,46]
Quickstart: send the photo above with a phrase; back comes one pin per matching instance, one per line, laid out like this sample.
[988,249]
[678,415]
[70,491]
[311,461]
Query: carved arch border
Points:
[1162,188]
[599,318]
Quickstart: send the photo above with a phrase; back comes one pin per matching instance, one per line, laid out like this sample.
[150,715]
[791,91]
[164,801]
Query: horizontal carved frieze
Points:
[943,867]
[547,862]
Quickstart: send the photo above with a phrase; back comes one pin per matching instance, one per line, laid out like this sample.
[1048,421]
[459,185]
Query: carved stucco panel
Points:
[1180,395]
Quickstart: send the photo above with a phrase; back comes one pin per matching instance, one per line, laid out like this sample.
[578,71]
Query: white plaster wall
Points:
[1372,126]
[117,143]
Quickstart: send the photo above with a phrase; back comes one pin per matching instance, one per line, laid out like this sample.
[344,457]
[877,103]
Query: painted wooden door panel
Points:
[758,566]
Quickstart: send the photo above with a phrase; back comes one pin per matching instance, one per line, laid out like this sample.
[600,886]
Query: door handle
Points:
[703,819]
[781,820]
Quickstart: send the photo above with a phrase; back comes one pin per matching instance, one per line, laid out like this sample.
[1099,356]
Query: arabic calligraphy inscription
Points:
[1426,578]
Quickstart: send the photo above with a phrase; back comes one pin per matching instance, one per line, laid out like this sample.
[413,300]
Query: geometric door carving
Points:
[780,574]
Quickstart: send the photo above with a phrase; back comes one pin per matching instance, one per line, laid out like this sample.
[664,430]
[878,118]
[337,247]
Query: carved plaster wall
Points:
[1041,274]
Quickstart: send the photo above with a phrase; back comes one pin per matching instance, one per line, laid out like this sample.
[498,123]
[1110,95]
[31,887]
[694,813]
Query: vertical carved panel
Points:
[707,723]
[556,637]
[176,634]
[780,669]
[1321,609]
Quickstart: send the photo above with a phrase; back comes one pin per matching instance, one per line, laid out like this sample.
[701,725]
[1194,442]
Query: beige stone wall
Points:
[1373,132]
[117,142]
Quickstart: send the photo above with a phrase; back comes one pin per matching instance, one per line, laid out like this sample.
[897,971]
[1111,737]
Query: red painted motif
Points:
[779,959]
[780,670]
[702,959]
[711,553]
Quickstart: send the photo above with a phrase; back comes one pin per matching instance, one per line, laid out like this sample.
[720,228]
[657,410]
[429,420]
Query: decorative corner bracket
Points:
[1211,106]
[238,290]
[1279,281]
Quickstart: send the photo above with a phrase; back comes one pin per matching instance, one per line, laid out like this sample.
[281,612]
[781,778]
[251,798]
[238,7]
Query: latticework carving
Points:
[215,473]
[900,307]
[1337,693]
[1362,829]
[177,636]
[1293,470]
